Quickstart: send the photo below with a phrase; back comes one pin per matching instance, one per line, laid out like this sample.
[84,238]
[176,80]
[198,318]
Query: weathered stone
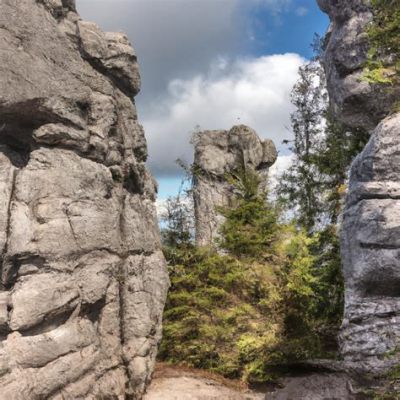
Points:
[315,387]
[61,135]
[370,249]
[39,297]
[354,100]
[120,61]
[7,178]
[4,302]
[113,52]
[82,278]
[218,154]
[37,351]
[371,222]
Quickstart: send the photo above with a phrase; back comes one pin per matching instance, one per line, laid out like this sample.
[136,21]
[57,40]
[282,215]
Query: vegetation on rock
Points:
[383,65]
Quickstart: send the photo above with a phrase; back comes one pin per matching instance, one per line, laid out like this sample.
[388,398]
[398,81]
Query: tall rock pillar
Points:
[82,277]
[218,154]
[370,239]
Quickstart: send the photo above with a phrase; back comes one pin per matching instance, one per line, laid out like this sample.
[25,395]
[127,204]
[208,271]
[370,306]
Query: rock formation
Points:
[371,222]
[217,154]
[83,280]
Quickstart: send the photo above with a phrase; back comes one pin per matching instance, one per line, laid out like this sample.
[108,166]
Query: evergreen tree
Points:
[300,185]
[339,147]
[322,149]
[272,297]
[178,222]
[177,218]
[251,224]
[222,312]
[313,189]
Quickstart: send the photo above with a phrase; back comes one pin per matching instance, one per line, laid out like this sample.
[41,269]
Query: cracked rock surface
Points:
[218,154]
[82,278]
[371,222]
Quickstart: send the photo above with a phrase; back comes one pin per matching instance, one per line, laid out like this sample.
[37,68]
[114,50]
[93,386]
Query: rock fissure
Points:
[5,280]
[121,293]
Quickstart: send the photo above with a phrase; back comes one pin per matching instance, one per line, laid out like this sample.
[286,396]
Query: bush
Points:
[219,313]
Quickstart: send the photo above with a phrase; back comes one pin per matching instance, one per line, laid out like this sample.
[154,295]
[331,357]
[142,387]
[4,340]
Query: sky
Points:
[211,64]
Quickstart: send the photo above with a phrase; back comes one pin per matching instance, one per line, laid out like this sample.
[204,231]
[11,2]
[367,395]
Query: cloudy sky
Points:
[211,64]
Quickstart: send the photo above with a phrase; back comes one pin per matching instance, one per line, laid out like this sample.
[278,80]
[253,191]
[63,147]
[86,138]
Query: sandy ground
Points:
[177,383]
[185,384]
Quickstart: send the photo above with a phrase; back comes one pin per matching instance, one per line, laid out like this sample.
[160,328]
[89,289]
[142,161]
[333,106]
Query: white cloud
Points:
[255,92]
[180,38]
[280,166]
[275,6]
[302,11]
[195,40]
[172,38]
[161,207]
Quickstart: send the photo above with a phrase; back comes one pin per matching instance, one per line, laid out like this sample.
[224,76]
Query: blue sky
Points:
[291,31]
[211,63]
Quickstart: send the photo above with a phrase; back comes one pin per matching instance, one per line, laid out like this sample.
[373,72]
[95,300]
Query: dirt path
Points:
[176,383]
[185,384]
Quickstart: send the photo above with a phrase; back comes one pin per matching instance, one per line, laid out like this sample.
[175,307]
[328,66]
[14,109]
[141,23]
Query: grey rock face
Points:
[82,278]
[315,387]
[217,154]
[371,223]
[355,101]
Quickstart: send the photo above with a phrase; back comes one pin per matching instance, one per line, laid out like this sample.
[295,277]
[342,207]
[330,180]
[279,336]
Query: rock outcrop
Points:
[371,222]
[218,154]
[83,280]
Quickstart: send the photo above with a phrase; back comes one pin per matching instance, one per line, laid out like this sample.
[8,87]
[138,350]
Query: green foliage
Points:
[322,149]
[178,216]
[178,220]
[339,146]
[394,373]
[266,301]
[387,388]
[216,315]
[251,224]
[312,294]
[299,188]
[275,294]
[383,65]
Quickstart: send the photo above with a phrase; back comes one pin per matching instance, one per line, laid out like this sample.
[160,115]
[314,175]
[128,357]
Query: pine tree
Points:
[177,218]
[300,185]
[322,149]
[252,222]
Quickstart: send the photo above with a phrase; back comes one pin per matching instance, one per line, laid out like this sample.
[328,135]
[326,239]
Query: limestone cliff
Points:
[218,154]
[371,221]
[83,280]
